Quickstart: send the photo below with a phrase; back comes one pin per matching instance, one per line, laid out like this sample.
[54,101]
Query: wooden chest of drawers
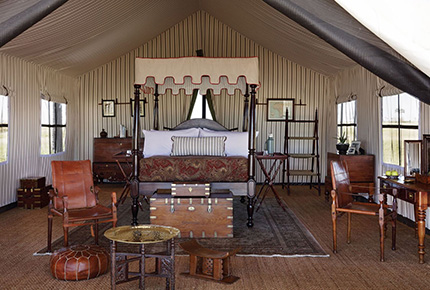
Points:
[106,152]
[195,217]
[361,171]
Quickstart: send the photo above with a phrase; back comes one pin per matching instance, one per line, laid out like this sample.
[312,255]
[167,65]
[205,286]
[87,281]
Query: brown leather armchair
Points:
[74,198]
[343,202]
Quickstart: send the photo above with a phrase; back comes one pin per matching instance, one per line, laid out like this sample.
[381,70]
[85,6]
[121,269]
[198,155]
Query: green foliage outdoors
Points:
[3,144]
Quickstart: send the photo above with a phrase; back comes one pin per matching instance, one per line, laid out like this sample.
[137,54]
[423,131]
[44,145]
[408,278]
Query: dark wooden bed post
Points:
[156,119]
[246,111]
[251,158]
[134,187]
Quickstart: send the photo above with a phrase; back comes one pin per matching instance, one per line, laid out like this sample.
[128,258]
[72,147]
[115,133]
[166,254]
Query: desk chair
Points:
[343,202]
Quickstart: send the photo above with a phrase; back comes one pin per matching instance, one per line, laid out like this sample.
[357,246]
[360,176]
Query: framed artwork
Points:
[108,108]
[141,108]
[354,147]
[277,108]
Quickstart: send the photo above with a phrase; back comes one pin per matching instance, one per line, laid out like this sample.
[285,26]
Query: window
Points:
[53,127]
[4,126]
[201,108]
[400,115]
[347,120]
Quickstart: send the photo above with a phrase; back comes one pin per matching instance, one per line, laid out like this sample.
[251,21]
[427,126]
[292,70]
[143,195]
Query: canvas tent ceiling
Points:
[82,35]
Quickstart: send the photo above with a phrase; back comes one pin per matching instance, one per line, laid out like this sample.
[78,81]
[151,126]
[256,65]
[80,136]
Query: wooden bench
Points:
[209,264]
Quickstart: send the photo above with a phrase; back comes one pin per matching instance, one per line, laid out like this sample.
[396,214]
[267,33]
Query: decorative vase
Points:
[103,133]
[342,148]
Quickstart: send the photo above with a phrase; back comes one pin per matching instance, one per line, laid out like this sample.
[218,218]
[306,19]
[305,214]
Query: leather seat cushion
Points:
[79,262]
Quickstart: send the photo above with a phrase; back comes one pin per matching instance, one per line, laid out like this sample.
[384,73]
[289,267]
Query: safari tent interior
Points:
[367,59]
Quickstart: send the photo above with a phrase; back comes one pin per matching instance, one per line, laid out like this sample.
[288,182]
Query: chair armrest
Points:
[95,190]
[346,193]
[65,200]
[113,197]
[369,187]
[53,193]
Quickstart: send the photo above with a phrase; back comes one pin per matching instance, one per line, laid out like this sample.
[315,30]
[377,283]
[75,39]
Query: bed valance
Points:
[189,73]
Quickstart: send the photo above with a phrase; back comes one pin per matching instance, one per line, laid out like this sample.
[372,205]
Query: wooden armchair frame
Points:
[343,202]
[71,209]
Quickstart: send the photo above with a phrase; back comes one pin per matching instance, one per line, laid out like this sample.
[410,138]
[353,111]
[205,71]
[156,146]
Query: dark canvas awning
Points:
[332,23]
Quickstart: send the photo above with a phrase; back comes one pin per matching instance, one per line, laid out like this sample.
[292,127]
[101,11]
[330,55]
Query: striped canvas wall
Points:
[279,78]
[25,83]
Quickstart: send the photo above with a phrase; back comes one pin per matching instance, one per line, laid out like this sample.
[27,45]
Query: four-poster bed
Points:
[233,171]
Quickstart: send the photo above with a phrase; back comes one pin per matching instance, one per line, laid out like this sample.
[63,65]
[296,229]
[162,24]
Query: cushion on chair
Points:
[79,262]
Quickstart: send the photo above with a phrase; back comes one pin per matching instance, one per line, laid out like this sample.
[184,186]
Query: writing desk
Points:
[417,194]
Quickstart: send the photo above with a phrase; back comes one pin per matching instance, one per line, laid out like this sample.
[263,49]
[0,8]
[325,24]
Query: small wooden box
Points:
[30,198]
[32,182]
[191,189]
[195,217]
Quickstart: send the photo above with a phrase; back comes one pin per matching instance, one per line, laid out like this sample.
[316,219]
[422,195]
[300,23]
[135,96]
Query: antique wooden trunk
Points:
[191,189]
[30,198]
[195,217]
[32,182]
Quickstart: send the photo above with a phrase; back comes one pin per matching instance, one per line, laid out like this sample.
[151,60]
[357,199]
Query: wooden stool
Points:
[209,264]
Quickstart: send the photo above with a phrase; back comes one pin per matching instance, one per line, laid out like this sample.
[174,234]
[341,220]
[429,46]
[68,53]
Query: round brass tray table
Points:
[141,235]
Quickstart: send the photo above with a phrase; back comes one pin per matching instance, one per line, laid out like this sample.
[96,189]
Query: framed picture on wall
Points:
[277,109]
[141,108]
[108,108]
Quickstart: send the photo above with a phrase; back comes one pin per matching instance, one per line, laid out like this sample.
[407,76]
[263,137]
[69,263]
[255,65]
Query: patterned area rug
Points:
[275,233]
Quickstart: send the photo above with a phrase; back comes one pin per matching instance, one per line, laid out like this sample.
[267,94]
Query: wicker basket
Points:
[422,178]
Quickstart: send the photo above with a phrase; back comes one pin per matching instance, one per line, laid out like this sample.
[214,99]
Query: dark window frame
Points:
[342,125]
[53,134]
[399,128]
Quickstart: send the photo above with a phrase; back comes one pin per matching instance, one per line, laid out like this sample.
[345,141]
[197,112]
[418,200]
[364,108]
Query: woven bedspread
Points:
[194,168]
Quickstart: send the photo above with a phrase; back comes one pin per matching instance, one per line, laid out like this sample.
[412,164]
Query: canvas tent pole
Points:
[20,22]
[326,22]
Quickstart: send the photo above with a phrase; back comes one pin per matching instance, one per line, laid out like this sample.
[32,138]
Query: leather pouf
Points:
[80,262]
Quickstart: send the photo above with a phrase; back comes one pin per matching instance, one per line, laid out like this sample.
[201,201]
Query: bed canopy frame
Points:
[188,74]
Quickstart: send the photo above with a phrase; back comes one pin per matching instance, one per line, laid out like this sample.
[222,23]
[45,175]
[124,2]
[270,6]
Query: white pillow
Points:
[236,143]
[198,146]
[160,142]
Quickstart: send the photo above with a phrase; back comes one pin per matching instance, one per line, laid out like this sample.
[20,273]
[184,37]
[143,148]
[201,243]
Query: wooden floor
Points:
[355,266]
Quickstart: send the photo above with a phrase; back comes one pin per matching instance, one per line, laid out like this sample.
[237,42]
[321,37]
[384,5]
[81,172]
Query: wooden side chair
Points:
[343,202]
[75,199]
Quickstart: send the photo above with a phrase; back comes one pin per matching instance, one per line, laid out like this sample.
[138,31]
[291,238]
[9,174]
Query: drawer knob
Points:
[191,208]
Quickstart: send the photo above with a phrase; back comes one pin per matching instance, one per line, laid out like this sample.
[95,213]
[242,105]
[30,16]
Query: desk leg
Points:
[422,207]
[142,267]
[113,264]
